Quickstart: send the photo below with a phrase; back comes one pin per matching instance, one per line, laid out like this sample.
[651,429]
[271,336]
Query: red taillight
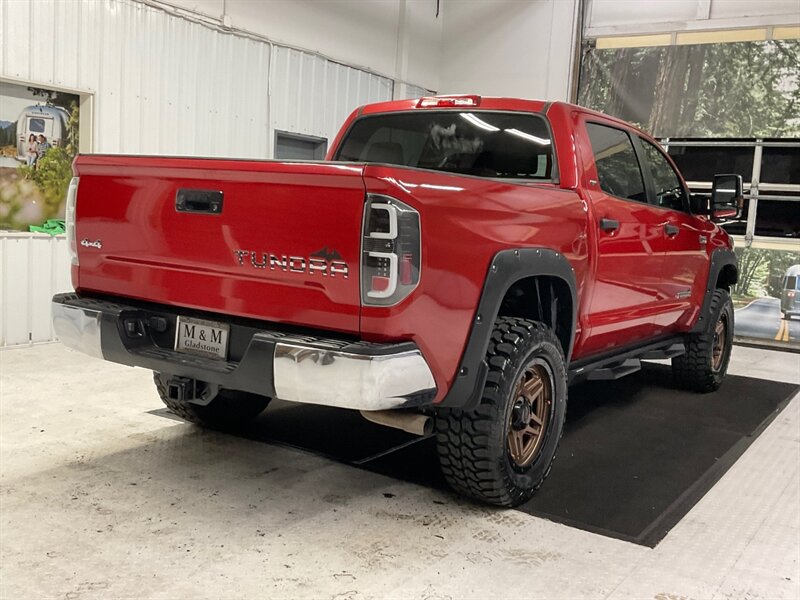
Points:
[406,269]
[445,101]
[380,283]
[69,218]
[390,251]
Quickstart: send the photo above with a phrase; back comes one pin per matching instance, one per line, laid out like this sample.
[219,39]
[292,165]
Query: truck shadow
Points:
[636,453]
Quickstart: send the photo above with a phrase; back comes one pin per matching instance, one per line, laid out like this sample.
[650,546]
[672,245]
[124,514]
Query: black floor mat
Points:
[636,454]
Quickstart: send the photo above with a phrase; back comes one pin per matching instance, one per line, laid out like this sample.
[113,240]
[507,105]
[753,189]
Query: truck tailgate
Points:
[260,239]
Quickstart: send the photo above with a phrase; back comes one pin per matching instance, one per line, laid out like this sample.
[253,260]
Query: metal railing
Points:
[755,189]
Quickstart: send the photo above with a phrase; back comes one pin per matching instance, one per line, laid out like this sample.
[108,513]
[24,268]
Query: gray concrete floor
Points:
[99,499]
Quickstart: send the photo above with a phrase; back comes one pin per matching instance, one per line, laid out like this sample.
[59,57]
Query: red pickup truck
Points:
[452,266]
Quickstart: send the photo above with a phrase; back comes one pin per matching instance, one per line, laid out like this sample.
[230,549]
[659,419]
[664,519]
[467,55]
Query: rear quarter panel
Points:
[465,221]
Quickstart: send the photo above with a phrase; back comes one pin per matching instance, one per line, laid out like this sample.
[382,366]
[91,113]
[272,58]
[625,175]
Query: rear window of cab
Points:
[478,143]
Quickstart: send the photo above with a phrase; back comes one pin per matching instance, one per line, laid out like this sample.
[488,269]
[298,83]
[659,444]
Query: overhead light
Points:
[528,136]
[478,122]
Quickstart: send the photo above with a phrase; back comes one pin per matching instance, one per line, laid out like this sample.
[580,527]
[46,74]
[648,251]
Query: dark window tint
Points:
[36,125]
[669,191]
[698,163]
[777,218]
[618,169]
[780,165]
[774,218]
[487,144]
[791,283]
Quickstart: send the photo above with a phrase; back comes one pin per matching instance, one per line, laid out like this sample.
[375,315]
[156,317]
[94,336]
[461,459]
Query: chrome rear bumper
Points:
[359,381]
[78,328]
[309,369]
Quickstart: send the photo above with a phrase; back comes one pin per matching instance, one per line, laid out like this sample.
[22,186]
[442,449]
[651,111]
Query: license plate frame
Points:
[200,337]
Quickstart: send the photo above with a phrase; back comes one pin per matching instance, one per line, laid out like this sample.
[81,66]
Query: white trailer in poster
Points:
[41,119]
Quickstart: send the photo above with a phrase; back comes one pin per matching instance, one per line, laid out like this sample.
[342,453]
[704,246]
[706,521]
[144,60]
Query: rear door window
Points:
[481,143]
[618,171]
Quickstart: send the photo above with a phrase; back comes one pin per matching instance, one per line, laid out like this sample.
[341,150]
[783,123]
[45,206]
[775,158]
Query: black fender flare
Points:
[720,258]
[507,267]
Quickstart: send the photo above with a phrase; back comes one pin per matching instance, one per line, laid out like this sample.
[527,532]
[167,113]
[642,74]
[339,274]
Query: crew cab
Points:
[452,267]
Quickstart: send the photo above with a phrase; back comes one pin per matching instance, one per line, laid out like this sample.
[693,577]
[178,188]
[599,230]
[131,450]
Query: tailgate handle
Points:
[199,201]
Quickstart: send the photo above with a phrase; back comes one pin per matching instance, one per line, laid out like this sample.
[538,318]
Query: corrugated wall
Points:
[313,96]
[165,85]
[414,91]
[35,266]
[161,85]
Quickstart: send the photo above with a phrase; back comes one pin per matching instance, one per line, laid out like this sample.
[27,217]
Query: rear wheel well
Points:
[542,298]
[727,278]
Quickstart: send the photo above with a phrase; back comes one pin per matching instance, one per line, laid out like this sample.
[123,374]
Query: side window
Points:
[669,191]
[618,170]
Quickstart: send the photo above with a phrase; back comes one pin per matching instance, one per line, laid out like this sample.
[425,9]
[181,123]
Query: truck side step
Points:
[615,371]
[665,352]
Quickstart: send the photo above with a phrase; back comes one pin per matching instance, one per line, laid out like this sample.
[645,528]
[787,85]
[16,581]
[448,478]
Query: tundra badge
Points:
[326,262]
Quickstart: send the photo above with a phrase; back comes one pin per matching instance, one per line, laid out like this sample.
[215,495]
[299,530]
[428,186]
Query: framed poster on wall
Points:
[39,137]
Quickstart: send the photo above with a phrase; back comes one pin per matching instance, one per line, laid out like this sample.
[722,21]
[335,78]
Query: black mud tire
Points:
[694,370]
[473,445]
[229,410]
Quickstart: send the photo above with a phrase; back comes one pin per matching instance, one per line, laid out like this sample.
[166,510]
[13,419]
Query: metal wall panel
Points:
[165,85]
[313,96]
[414,91]
[161,85]
[34,267]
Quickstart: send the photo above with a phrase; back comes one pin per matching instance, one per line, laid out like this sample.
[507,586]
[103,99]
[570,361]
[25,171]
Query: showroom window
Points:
[720,103]
[770,169]
[618,170]
[696,162]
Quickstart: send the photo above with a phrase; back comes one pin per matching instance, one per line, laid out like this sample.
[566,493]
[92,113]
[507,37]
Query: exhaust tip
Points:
[414,423]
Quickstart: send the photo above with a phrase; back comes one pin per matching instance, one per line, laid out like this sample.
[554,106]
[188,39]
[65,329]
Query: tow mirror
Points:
[727,198]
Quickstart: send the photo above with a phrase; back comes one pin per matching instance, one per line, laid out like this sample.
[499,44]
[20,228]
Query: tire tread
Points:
[463,437]
[692,370]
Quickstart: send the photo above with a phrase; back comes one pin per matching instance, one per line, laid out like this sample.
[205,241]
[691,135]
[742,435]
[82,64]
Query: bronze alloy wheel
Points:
[720,341]
[502,450]
[530,413]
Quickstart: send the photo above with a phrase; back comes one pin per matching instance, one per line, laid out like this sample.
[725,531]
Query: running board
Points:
[626,361]
[615,371]
[666,352]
